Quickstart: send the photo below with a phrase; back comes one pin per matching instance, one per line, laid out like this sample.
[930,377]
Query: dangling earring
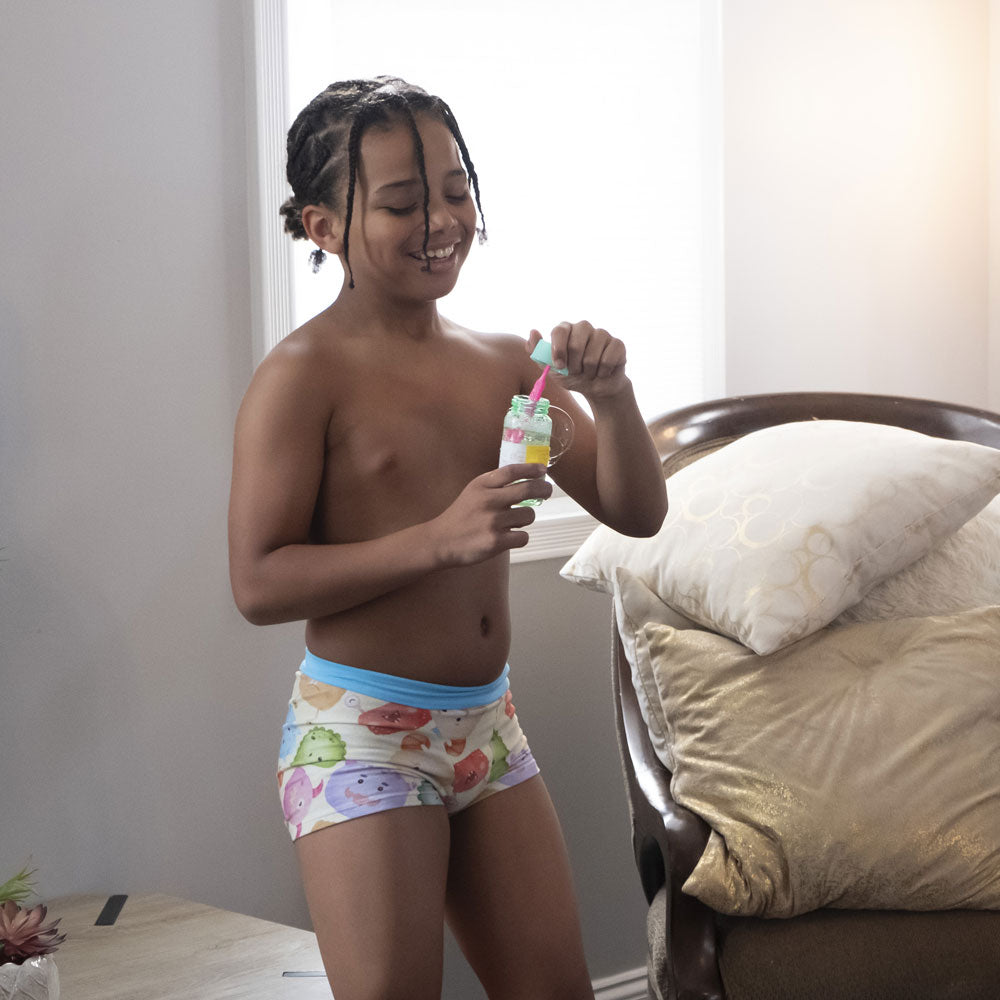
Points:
[316,259]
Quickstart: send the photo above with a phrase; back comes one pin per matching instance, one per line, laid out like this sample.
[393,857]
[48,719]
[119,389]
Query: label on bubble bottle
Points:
[516,452]
[512,452]
[537,453]
[527,432]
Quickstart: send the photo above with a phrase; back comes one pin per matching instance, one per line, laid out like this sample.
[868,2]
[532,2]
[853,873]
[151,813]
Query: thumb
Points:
[533,338]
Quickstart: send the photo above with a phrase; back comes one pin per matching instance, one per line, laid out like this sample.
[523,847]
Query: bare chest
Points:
[398,453]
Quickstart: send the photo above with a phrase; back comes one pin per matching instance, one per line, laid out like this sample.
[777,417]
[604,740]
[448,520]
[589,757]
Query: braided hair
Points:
[324,144]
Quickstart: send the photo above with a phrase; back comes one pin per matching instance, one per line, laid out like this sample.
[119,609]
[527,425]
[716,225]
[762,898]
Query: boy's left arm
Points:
[612,469]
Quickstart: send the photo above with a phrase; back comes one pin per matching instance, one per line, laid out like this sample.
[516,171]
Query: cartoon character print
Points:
[508,704]
[320,746]
[455,726]
[499,751]
[289,735]
[428,794]
[515,762]
[319,695]
[297,798]
[470,771]
[393,718]
[412,748]
[356,784]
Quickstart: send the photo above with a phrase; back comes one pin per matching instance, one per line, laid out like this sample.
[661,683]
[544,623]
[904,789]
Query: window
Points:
[594,130]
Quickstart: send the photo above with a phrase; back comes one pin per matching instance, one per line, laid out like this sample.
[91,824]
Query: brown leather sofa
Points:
[826,954]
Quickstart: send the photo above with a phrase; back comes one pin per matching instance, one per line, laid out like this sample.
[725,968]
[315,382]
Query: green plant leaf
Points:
[19,888]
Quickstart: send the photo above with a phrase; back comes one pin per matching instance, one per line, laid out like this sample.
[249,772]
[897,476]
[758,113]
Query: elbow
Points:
[645,527]
[253,611]
[655,521]
[253,605]
[644,523]
[635,517]
[256,614]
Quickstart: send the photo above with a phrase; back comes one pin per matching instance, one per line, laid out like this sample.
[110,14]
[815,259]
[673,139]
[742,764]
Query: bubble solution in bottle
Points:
[527,434]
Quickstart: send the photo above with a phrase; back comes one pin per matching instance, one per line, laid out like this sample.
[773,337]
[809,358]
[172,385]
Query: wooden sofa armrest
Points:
[667,841]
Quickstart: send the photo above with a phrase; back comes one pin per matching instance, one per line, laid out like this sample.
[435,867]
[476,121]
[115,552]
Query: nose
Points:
[442,217]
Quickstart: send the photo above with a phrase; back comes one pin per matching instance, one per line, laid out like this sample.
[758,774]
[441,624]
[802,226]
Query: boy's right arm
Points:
[277,575]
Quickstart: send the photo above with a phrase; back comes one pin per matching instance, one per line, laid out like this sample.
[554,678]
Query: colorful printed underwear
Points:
[345,753]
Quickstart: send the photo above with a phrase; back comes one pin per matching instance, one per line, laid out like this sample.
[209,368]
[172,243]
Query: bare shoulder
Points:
[501,352]
[501,345]
[298,376]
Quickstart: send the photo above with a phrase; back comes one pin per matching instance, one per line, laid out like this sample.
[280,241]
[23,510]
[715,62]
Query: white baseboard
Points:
[629,985]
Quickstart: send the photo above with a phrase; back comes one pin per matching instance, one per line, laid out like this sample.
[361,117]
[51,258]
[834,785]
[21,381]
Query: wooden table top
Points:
[164,948]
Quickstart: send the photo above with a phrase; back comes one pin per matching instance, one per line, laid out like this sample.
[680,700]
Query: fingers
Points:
[507,474]
[611,359]
[485,519]
[586,351]
[559,338]
[531,484]
[495,508]
[528,489]
[517,517]
[510,485]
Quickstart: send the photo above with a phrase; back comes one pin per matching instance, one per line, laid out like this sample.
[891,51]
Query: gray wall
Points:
[139,713]
[856,193]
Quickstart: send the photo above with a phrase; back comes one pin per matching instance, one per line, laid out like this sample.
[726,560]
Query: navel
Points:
[484,626]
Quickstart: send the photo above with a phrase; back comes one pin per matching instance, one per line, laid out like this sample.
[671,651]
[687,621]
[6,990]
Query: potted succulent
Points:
[27,970]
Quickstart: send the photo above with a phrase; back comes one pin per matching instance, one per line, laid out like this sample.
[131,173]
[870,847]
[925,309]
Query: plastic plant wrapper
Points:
[36,979]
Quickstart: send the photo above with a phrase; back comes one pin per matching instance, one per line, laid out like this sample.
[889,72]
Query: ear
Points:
[324,228]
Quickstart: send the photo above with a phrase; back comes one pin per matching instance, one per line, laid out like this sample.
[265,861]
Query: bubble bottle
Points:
[528,432]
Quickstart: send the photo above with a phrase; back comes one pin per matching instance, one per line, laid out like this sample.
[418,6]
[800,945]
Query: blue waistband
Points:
[403,690]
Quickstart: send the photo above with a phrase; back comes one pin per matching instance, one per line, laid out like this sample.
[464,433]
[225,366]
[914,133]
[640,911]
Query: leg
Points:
[511,903]
[375,886]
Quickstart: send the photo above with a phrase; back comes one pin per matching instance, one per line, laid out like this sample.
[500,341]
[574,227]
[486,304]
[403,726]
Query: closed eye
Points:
[401,211]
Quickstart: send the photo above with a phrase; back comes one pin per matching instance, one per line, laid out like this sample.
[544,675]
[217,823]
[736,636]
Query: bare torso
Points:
[409,427]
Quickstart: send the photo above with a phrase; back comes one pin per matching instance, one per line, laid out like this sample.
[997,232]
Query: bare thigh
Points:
[511,902]
[376,893]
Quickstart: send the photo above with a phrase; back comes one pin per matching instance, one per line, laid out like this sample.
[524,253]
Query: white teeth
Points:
[439,254]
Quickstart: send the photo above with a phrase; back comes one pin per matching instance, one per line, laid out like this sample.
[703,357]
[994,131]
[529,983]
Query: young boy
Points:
[366,500]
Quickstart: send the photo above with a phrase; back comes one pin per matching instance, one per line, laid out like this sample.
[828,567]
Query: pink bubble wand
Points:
[537,389]
[517,436]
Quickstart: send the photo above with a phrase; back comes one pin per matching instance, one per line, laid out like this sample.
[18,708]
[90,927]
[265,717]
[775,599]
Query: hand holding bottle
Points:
[484,518]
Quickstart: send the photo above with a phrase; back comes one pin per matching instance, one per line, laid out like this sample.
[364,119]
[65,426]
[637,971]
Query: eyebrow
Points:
[415,181]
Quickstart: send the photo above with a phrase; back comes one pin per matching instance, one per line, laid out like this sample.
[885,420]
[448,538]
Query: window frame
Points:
[560,525]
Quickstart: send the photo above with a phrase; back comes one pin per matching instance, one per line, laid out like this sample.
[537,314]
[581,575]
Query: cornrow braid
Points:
[353,151]
[452,123]
[328,131]
[418,145]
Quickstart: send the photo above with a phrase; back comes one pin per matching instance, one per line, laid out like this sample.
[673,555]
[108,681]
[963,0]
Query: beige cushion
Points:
[857,768]
[636,606]
[773,536]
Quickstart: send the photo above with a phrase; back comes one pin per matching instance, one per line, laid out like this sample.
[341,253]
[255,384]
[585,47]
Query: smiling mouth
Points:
[441,254]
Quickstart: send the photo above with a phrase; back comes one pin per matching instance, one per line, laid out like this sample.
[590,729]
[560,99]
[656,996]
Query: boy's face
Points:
[387,231]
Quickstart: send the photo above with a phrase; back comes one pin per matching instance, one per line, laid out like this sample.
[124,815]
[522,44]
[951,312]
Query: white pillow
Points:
[958,574]
[771,537]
